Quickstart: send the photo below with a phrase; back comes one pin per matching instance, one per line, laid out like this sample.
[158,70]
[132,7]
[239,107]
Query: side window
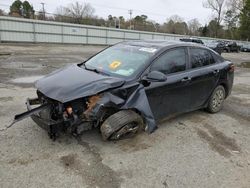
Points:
[200,57]
[171,62]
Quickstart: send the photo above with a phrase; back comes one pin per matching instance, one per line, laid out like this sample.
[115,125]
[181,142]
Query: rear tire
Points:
[123,124]
[216,100]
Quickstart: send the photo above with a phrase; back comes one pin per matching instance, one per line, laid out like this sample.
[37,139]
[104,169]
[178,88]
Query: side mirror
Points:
[156,76]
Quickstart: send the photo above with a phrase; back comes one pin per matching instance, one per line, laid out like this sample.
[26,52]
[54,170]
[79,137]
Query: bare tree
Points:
[236,4]
[62,15]
[193,27]
[61,10]
[175,25]
[175,18]
[78,11]
[2,13]
[216,6]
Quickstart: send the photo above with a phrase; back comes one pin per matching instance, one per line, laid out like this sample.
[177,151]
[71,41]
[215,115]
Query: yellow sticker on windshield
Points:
[115,64]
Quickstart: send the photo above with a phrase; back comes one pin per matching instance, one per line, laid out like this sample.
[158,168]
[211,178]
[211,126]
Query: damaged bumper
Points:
[56,117]
[48,124]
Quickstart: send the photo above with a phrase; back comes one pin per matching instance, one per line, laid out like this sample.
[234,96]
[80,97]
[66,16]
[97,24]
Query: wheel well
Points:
[225,87]
[109,111]
[115,122]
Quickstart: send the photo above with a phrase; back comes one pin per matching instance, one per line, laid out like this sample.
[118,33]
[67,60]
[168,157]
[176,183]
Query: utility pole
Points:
[119,22]
[130,13]
[43,11]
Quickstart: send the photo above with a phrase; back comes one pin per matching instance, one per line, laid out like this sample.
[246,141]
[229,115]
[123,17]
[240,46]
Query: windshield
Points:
[120,60]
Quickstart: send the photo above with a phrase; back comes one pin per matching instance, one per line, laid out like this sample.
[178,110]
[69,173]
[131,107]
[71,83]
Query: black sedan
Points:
[231,46]
[129,87]
[216,46]
[245,48]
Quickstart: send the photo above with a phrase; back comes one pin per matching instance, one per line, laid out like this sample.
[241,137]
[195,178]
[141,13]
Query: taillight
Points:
[231,68]
[69,110]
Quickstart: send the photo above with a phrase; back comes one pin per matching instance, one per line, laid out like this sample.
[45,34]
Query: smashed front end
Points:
[86,113]
[73,117]
[74,100]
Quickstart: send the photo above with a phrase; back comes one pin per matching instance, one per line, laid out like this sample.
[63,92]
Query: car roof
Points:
[160,43]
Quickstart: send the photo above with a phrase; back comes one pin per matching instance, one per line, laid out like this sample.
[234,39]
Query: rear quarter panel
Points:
[226,76]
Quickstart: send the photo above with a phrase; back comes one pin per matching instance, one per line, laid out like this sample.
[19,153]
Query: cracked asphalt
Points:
[196,149]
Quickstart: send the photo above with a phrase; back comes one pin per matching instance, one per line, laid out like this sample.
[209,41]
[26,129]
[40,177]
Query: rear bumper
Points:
[49,125]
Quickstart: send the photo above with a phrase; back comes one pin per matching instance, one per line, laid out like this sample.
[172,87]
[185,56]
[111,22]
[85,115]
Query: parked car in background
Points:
[129,87]
[193,40]
[231,46]
[216,46]
[245,48]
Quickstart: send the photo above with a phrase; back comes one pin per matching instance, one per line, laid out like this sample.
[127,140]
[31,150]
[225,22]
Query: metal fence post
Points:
[106,37]
[0,30]
[62,33]
[34,32]
[87,35]
[124,35]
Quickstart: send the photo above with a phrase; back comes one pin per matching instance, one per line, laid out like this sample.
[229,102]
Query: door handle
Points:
[186,79]
[216,71]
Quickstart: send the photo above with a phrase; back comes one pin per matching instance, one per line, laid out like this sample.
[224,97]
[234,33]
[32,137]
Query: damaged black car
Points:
[127,88]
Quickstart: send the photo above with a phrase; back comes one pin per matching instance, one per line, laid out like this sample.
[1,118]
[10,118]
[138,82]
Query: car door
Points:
[169,96]
[204,75]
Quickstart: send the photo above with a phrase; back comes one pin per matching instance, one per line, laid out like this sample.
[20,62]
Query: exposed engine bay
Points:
[73,117]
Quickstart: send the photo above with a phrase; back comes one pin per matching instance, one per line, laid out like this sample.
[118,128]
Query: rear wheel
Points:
[216,100]
[123,124]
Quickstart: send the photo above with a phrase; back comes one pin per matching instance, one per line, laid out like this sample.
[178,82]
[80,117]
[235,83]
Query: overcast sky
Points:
[158,10]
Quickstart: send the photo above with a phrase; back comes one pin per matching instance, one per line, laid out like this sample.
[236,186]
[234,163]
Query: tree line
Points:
[230,19]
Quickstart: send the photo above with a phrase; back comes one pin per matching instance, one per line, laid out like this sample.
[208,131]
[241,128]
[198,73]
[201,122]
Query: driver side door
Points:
[172,95]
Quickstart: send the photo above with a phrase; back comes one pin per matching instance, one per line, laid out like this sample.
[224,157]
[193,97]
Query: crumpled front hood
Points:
[74,82]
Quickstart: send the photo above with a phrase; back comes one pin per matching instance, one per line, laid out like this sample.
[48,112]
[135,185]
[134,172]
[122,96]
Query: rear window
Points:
[186,40]
[192,40]
[201,57]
